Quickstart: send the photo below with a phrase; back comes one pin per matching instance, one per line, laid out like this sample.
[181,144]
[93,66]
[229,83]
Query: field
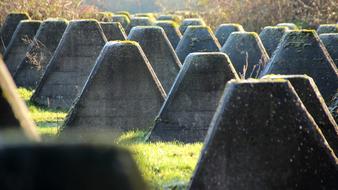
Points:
[163,165]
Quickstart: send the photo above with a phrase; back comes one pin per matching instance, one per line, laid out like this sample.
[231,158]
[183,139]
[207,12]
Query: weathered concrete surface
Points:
[14,116]
[247,53]
[121,94]
[302,52]
[330,41]
[191,103]
[327,28]
[122,19]
[139,21]
[70,65]
[223,31]
[315,105]
[290,26]
[262,137]
[161,55]
[197,39]
[7,30]
[271,36]
[172,30]
[68,167]
[113,31]
[174,18]
[18,46]
[191,22]
[39,53]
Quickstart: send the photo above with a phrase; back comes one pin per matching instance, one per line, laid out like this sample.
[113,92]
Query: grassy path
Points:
[163,165]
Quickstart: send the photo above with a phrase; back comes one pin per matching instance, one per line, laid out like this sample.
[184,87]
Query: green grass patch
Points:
[163,165]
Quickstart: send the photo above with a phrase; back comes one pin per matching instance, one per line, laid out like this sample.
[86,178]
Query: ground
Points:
[163,165]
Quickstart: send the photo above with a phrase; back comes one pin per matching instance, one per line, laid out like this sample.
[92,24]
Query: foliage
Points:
[254,15]
[39,10]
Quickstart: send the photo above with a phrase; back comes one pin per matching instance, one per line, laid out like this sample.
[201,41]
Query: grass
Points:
[163,165]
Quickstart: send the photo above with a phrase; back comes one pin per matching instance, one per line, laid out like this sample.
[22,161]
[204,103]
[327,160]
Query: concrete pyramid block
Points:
[39,53]
[18,46]
[126,13]
[68,167]
[197,39]
[247,53]
[302,52]
[172,30]
[14,113]
[271,37]
[290,26]
[174,18]
[327,28]
[262,137]
[148,15]
[191,103]
[315,104]
[139,21]
[223,31]
[191,22]
[70,65]
[113,31]
[104,16]
[159,52]
[8,28]
[330,41]
[122,19]
[121,94]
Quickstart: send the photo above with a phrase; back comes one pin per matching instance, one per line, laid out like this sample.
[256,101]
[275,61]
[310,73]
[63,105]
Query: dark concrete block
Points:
[302,52]
[113,31]
[313,101]
[197,39]
[290,26]
[191,22]
[11,22]
[191,103]
[121,94]
[39,53]
[161,55]
[330,41]
[271,36]
[70,65]
[68,167]
[327,28]
[223,31]
[262,137]
[14,116]
[139,21]
[247,53]
[122,19]
[18,46]
[172,30]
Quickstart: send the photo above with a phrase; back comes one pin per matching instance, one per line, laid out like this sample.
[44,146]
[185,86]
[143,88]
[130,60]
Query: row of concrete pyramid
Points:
[123,90]
[246,50]
[294,139]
